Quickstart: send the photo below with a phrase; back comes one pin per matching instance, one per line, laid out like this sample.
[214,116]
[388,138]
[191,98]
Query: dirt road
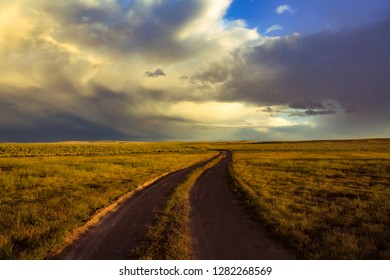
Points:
[219,228]
[121,231]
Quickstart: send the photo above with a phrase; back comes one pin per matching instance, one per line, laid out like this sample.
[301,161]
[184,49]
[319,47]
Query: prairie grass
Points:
[324,146]
[43,197]
[169,238]
[325,204]
[325,199]
[93,148]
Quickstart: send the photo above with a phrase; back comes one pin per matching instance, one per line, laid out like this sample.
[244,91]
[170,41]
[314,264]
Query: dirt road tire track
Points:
[121,231]
[219,228]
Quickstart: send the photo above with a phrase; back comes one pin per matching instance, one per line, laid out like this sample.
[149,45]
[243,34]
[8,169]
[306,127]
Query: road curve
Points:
[121,231]
[219,229]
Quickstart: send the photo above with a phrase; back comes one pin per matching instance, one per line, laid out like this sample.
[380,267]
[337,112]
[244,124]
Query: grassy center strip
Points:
[169,238]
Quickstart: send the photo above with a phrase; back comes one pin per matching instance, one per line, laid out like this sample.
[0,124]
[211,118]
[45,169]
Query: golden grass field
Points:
[46,190]
[323,199]
[326,200]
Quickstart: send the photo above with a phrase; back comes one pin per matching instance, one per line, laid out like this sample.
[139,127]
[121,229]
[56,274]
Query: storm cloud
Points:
[344,73]
[141,70]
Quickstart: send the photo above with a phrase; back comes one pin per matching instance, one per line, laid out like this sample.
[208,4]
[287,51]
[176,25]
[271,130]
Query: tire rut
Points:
[219,229]
[114,237]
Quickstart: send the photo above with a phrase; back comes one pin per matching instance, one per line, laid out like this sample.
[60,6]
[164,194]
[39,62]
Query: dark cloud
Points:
[348,67]
[319,112]
[35,114]
[313,75]
[217,72]
[156,73]
[59,128]
[312,109]
[267,110]
[340,79]
[148,29]
[311,105]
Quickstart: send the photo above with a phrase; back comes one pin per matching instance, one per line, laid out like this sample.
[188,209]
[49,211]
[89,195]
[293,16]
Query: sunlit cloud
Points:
[85,61]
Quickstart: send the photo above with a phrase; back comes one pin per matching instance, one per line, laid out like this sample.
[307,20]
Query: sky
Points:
[194,70]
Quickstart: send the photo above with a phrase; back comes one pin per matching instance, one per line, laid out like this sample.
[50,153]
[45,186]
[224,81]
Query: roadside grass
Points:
[325,199]
[169,238]
[43,198]
[321,146]
[332,204]
[103,148]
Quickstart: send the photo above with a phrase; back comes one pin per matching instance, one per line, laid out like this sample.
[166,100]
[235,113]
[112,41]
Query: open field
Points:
[108,148]
[43,197]
[326,200]
[322,199]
